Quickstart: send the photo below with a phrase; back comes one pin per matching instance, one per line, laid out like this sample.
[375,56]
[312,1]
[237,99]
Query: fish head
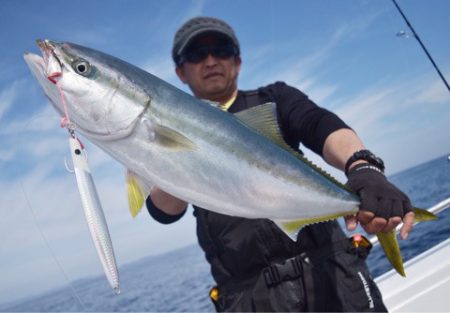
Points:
[94,90]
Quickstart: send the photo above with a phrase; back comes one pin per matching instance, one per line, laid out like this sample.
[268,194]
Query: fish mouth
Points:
[45,44]
[47,68]
[48,65]
[53,65]
[46,75]
[48,46]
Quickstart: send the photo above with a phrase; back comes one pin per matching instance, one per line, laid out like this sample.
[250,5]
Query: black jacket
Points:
[245,254]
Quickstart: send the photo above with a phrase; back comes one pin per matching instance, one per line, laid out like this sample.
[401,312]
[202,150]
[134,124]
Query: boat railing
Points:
[435,209]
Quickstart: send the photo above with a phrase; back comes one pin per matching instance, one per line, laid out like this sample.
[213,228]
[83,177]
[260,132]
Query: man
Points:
[256,266]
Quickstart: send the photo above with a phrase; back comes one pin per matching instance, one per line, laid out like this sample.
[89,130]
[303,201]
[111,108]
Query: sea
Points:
[180,280]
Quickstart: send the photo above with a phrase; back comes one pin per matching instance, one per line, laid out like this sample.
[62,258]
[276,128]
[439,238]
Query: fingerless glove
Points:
[377,194]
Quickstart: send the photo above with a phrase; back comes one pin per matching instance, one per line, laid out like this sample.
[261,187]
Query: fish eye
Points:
[82,67]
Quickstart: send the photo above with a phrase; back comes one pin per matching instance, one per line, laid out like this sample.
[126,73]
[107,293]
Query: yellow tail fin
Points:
[389,243]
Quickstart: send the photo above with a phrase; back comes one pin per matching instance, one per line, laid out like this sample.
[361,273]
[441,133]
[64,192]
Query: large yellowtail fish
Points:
[231,164]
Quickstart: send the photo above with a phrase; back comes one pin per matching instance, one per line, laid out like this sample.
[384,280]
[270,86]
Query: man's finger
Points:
[408,221]
[351,222]
[364,217]
[392,223]
[376,225]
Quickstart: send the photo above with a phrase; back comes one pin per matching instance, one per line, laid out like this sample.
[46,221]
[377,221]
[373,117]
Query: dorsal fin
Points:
[263,119]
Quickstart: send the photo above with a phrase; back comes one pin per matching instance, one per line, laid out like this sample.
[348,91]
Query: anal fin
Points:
[292,227]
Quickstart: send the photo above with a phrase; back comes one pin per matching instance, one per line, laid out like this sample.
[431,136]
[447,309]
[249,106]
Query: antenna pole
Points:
[421,44]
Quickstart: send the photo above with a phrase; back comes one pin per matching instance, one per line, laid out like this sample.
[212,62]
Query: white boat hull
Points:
[426,287]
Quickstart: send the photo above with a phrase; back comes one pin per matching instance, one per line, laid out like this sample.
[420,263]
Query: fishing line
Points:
[65,122]
[7,161]
[40,230]
[50,248]
[416,36]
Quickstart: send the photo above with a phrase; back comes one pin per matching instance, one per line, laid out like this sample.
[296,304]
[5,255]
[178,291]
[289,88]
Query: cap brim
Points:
[199,32]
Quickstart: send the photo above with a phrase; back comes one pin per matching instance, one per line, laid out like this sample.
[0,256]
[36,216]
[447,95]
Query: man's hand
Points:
[383,206]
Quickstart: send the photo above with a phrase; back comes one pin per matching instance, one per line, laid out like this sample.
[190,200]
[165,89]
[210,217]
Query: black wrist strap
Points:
[365,155]
[364,166]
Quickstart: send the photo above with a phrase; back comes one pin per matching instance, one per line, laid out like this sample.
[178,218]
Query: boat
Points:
[427,285]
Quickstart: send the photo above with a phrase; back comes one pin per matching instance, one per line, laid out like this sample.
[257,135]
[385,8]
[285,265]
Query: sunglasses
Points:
[197,55]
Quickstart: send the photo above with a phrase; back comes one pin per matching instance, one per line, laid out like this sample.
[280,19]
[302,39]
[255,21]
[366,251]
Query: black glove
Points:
[377,194]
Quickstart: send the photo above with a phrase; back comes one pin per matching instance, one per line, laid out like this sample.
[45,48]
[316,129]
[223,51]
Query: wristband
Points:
[365,155]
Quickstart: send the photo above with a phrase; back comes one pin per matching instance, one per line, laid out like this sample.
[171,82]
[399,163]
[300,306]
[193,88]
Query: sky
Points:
[347,56]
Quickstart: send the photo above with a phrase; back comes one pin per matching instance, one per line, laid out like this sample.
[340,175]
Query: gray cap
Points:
[197,26]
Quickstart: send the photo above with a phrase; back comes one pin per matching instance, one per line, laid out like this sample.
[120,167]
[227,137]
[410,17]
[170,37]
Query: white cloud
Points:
[40,142]
[384,114]
[368,109]
[306,72]
[320,93]
[161,67]
[45,120]
[196,9]
[60,220]
[434,92]
[298,71]
[6,155]
[8,96]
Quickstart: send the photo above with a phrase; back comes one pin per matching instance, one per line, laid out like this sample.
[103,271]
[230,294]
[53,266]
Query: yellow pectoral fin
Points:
[389,243]
[135,194]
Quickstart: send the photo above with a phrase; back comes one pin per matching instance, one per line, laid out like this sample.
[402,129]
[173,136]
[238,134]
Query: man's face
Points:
[213,77]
